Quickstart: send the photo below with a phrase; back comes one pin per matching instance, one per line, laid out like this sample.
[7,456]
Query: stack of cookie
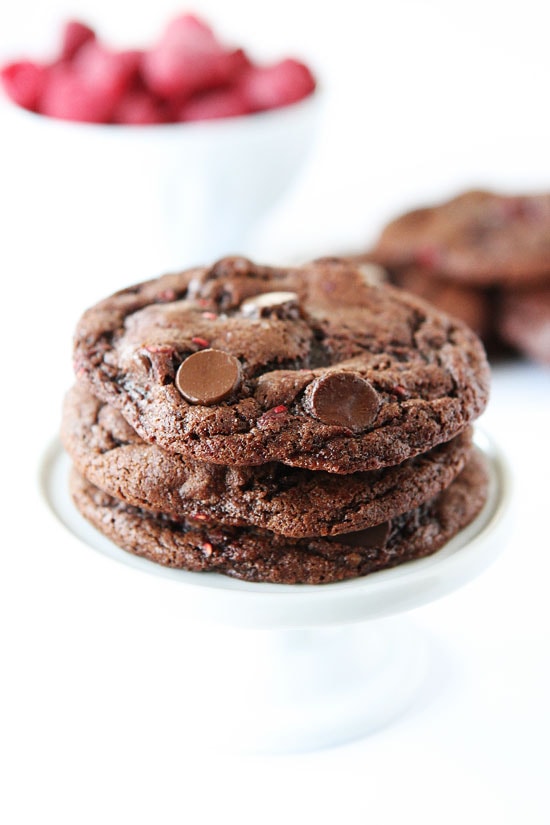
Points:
[483,257]
[300,425]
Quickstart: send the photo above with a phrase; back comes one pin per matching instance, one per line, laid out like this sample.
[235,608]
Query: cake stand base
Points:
[298,667]
[308,688]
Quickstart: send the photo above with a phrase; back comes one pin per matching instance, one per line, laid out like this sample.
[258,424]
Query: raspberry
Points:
[171,73]
[112,73]
[68,97]
[75,35]
[189,59]
[188,75]
[24,82]
[138,108]
[91,86]
[268,87]
[280,409]
[429,257]
[400,391]
[215,104]
[188,31]
[167,295]
[231,65]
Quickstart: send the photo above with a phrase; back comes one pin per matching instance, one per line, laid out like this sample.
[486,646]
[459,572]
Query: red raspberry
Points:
[167,295]
[189,74]
[189,59]
[68,97]
[75,34]
[171,73]
[215,104]
[190,30]
[267,87]
[231,65]
[429,257]
[138,108]
[24,83]
[112,73]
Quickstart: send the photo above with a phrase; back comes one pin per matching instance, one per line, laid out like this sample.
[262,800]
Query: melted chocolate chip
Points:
[344,400]
[208,376]
[376,536]
[270,304]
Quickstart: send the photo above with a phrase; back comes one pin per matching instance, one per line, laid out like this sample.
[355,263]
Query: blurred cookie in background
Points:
[483,257]
[525,321]
[473,305]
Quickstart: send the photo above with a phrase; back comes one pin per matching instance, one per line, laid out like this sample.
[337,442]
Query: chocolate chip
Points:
[343,400]
[208,376]
[376,536]
[269,304]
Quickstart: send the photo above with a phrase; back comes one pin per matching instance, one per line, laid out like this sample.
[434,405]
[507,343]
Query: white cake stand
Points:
[312,666]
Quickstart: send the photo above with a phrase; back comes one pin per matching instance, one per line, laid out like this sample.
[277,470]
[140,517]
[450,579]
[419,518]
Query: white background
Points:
[422,99]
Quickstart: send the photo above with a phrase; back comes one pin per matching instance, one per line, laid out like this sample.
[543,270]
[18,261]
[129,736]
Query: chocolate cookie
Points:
[473,305]
[476,238]
[525,321]
[261,556]
[315,367]
[289,501]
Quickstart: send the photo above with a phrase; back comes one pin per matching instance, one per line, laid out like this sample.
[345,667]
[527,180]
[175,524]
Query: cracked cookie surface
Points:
[287,500]
[256,555]
[409,377]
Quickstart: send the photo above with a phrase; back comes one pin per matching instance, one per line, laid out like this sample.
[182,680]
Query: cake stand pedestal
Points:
[294,668]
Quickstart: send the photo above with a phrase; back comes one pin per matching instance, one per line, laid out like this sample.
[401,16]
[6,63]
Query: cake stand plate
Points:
[311,666]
